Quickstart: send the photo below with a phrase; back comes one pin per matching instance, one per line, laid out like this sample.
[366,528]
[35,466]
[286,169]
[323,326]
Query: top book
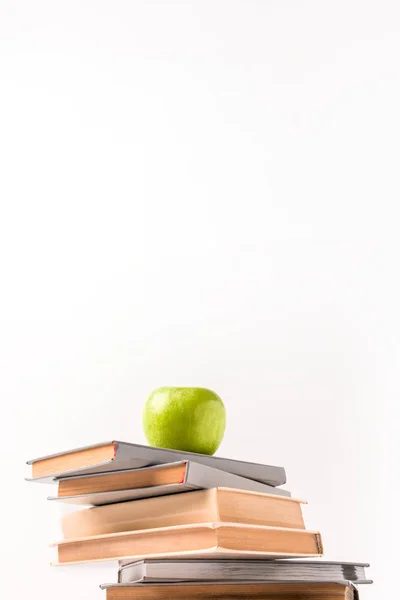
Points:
[115,455]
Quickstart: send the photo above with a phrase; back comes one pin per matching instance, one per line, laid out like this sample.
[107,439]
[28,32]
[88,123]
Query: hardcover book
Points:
[203,506]
[342,590]
[174,570]
[114,455]
[132,484]
[202,540]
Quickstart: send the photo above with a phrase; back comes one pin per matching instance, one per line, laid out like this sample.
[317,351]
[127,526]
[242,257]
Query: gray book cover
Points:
[134,456]
[197,477]
[173,570]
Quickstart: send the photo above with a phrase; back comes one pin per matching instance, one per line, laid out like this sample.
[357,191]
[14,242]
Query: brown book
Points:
[115,456]
[160,480]
[203,506]
[203,540]
[214,591]
[123,480]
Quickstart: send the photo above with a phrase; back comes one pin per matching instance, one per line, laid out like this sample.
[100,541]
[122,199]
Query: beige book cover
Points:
[203,540]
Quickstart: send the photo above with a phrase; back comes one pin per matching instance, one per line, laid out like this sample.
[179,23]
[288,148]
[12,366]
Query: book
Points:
[340,590]
[115,455]
[174,570]
[216,504]
[202,540]
[159,480]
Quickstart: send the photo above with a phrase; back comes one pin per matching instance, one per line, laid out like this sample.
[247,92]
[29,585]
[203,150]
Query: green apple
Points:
[191,419]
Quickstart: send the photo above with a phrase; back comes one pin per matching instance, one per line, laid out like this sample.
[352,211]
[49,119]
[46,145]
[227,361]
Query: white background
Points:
[201,193]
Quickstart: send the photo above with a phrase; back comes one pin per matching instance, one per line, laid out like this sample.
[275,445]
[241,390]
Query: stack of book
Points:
[186,525]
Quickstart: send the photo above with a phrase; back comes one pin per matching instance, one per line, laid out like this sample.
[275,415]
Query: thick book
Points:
[337,590]
[174,570]
[203,540]
[114,455]
[216,504]
[159,480]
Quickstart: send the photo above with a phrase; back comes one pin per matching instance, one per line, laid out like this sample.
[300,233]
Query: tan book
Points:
[115,455]
[113,481]
[160,480]
[215,591]
[202,506]
[203,540]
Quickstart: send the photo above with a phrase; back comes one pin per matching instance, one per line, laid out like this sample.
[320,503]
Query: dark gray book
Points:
[174,570]
[114,455]
[177,477]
